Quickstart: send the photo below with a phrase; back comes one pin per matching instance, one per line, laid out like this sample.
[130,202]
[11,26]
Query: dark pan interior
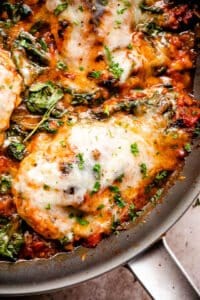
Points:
[26,277]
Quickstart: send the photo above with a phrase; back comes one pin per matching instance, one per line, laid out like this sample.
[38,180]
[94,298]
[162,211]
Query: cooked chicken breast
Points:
[64,180]
[10,89]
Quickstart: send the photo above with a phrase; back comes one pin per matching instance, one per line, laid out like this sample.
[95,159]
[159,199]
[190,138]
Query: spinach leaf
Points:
[14,12]
[33,48]
[16,150]
[90,99]
[42,96]
[11,238]
[5,184]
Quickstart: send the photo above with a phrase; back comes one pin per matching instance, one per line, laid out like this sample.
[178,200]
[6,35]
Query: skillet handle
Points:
[162,275]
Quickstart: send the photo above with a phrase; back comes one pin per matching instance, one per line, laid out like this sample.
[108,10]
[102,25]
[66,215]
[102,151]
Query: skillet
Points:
[67,269]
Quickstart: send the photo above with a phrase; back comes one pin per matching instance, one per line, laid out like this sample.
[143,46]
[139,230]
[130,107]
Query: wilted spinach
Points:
[14,12]
[33,48]
[11,237]
[5,184]
[17,150]
[42,96]
[42,99]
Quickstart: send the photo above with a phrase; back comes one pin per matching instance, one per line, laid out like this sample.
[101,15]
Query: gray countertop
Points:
[120,284]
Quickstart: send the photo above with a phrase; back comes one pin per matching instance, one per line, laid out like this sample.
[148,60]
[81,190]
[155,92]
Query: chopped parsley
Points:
[143,170]
[48,206]
[95,74]
[96,187]
[60,8]
[80,8]
[114,189]
[64,240]
[117,196]
[134,149]
[61,65]
[114,67]
[130,47]
[132,213]
[157,196]
[82,221]
[119,201]
[188,148]
[97,170]
[121,11]
[100,207]
[80,161]
[161,175]
[81,68]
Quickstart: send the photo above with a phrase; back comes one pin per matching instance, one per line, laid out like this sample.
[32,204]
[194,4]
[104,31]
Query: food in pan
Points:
[96,114]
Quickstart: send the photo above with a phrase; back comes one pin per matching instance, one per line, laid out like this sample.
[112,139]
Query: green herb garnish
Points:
[134,149]
[100,207]
[82,221]
[60,8]
[187,147]
[114,67]
[143,170]
[96,187]
[97,170]
[95,74]
[61,65]
[132,212]
[80,161]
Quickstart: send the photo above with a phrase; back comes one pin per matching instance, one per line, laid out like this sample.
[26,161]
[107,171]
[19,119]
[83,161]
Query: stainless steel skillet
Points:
[128,248]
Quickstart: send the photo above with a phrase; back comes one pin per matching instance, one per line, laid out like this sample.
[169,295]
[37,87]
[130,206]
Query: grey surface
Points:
[162,275]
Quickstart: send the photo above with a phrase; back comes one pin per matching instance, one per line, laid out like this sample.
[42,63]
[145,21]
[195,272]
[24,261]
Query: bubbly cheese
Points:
[60,174]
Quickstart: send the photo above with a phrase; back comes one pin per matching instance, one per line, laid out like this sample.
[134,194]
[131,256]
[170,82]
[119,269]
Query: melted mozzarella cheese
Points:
[116,24]
[10,89]
[115,29]
[53,175]
[80,38]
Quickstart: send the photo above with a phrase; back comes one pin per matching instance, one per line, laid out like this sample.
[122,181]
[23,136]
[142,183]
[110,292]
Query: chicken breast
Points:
[10,89]
[94,165]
